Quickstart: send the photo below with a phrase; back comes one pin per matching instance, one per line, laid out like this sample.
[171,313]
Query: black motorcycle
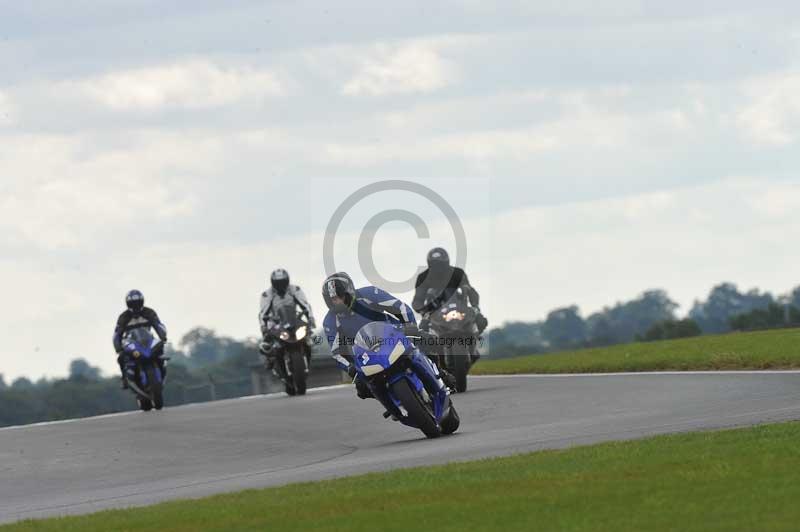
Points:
[454,325]
[291,351]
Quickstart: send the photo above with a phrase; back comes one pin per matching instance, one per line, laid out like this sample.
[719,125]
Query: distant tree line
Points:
[649,317]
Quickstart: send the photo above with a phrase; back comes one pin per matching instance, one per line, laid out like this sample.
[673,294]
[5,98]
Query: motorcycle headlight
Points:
[454,315]
[398,351]
[285,336]
[301,332]
[371,370]
[136,354]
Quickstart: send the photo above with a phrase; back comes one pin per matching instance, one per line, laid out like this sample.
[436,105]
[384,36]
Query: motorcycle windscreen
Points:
[286,314]
[142,339]
[377,346]
[458,300]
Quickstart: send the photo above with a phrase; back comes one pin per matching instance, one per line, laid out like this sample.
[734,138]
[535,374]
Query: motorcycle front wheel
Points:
[145,405]
[156,389]
[298,364]
[418,412]
[459,356]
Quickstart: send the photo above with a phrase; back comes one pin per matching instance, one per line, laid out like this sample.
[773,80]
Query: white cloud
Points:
[414,67]
[599,121]
[779,201]
[60,193]
[477,147]
[6,110]
[191,84]
[772,116]
[562,8]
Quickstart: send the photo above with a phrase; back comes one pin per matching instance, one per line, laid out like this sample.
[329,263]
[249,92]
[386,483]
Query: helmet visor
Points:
[280,285]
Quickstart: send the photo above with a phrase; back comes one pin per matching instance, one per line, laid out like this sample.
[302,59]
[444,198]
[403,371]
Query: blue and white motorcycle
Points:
[146,368]
[404,380]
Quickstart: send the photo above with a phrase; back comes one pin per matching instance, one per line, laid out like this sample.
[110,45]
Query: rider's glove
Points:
[481,322]
[362,390]
[265,348]
[411,330]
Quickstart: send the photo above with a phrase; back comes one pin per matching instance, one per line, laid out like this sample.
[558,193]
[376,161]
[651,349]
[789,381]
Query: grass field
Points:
[747,479]
[778,349]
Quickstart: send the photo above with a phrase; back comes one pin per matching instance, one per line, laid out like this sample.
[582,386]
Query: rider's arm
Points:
[156,323]
[390,304]
[262,311]
[332,335]
[265,316]
[420,293]
[302,300]
[118,330]
[472,294]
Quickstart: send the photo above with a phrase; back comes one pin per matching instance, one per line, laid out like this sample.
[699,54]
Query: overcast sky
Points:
[188,148]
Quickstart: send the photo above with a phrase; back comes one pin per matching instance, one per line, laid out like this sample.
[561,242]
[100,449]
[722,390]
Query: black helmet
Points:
[135,301]
[339,285]
[280,281]
[438,259]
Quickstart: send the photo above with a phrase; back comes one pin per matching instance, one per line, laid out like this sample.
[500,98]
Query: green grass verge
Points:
[743,479]
[778,349]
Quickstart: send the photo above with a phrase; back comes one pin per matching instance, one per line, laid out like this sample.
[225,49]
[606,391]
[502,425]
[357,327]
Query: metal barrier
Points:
[324,372]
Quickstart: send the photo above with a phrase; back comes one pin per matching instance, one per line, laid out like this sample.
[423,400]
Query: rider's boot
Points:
[121,360]
[362,390]
[475,355]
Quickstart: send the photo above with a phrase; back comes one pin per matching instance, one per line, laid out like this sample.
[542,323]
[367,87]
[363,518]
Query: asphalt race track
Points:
[136,458]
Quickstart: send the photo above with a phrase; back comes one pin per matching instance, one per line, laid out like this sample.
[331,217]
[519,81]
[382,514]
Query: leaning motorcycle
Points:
[454,324]
[146,368]
[404,380]
[292,353]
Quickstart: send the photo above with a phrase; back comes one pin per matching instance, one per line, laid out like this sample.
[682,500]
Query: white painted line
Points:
[641,374]
[311,391]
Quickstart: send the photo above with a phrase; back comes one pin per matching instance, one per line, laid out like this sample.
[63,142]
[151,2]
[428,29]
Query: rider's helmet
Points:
[135,301]
[280,281]
[438,260]
[339,293]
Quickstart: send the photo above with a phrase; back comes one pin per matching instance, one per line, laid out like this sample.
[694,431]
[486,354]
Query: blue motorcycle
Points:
[146,368]
[404,380]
